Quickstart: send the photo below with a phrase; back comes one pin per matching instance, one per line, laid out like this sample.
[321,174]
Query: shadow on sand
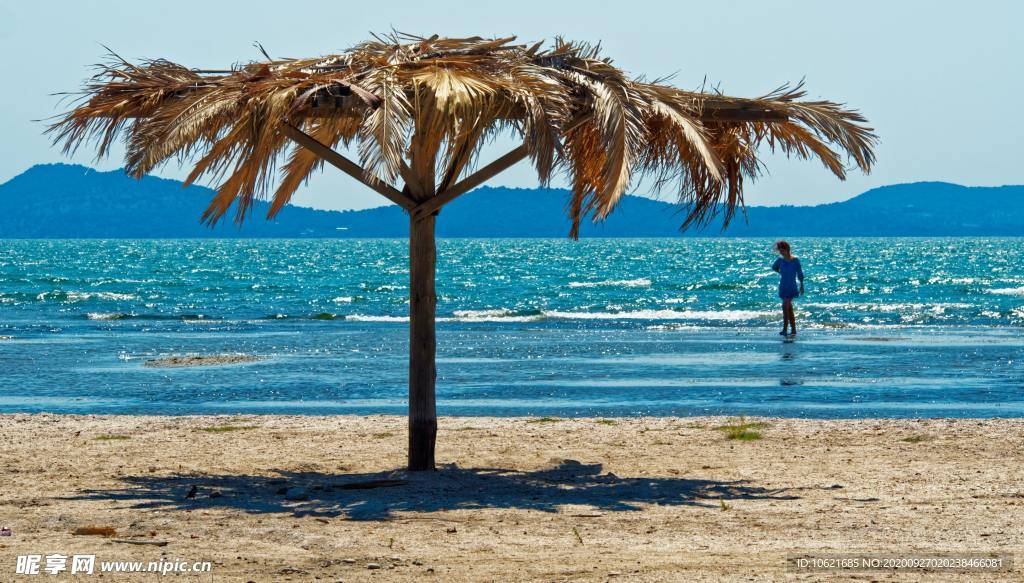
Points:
[376,496]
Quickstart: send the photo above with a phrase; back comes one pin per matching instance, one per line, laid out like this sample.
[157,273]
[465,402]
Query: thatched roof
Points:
[420,109]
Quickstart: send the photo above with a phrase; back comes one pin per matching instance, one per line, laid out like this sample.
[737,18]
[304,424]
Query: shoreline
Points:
[283,497]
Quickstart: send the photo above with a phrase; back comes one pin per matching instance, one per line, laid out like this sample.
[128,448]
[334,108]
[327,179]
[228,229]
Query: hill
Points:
[68,201]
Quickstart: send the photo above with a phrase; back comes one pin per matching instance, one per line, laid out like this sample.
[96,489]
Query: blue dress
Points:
[790,271]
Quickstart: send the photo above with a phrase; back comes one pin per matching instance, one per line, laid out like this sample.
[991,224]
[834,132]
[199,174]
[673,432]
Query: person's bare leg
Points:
[792,318]
[786,304]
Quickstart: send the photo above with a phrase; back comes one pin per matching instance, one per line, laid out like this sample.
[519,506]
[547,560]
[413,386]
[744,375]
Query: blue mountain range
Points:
[70,201]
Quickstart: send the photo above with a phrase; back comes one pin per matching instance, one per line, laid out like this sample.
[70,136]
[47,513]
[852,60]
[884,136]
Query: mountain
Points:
[67,201]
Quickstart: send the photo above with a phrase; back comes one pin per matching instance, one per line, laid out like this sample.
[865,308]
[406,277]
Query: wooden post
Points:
[422,343]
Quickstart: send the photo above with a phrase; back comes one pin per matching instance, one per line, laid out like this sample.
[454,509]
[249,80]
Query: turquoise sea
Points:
[600,327]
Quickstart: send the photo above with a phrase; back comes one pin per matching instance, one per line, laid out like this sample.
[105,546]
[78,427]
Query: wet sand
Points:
[190,360]
[285,498]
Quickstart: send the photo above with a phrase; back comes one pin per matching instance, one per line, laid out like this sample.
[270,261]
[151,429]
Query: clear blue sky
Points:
[940,81]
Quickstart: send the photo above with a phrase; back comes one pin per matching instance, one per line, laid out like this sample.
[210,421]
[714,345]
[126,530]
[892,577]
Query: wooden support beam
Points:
[433,204]
[347,166]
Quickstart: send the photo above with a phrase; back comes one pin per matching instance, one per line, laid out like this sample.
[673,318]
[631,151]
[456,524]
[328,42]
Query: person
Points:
[789,268]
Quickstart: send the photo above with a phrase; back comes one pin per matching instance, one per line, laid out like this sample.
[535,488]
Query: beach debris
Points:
[106,531]
[227,428]
[200,360]
[576,532]
[348,561]
[451,530]
[192,492]
[154,543]
[373,565]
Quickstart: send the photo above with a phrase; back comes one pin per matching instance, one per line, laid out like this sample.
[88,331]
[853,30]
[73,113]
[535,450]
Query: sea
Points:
[889,327]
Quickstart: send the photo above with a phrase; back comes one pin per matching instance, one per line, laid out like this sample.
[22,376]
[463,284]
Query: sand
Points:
[200,360]
[282,498]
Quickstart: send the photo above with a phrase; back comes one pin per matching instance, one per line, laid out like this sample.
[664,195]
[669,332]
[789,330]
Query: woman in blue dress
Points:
[788,267]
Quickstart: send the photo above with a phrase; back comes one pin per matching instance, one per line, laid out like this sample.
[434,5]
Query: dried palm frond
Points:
[422,109]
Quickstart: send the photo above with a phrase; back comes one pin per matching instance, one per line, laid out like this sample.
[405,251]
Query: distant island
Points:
[70,201]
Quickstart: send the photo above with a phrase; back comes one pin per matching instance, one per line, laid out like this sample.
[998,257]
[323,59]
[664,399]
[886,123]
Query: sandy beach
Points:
[285,498]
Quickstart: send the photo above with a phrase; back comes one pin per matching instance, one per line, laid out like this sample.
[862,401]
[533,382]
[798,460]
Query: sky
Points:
[939,81]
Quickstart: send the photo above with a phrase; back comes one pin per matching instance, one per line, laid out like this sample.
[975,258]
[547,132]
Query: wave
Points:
[319,316]
[717,315]
[105,316]
[365,318]
[640,282]
[1008,291]
[502,315]
[74,297]
[893,307]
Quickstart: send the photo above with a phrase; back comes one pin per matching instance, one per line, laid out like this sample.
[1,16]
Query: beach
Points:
[307,498]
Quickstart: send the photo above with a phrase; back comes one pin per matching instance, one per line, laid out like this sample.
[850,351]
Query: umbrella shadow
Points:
[379,495]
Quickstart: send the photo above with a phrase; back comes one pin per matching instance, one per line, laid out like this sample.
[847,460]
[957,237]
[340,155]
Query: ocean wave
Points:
[102,316]
[716,315]
[500,315]
[319,316]
[893,307]
[639,282]
[952,280]
[74,297]
[106,316]
[365,318]
[510,316]
[1008,291]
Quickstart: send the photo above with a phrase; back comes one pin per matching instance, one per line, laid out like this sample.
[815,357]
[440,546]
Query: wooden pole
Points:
[433,204]
[422,343]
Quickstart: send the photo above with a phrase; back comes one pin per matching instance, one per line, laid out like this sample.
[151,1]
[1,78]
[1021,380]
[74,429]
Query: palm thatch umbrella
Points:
[419,110]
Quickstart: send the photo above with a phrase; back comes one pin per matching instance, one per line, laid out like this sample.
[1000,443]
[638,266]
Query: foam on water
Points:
[639,282]
[705,315]
[1008,291]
